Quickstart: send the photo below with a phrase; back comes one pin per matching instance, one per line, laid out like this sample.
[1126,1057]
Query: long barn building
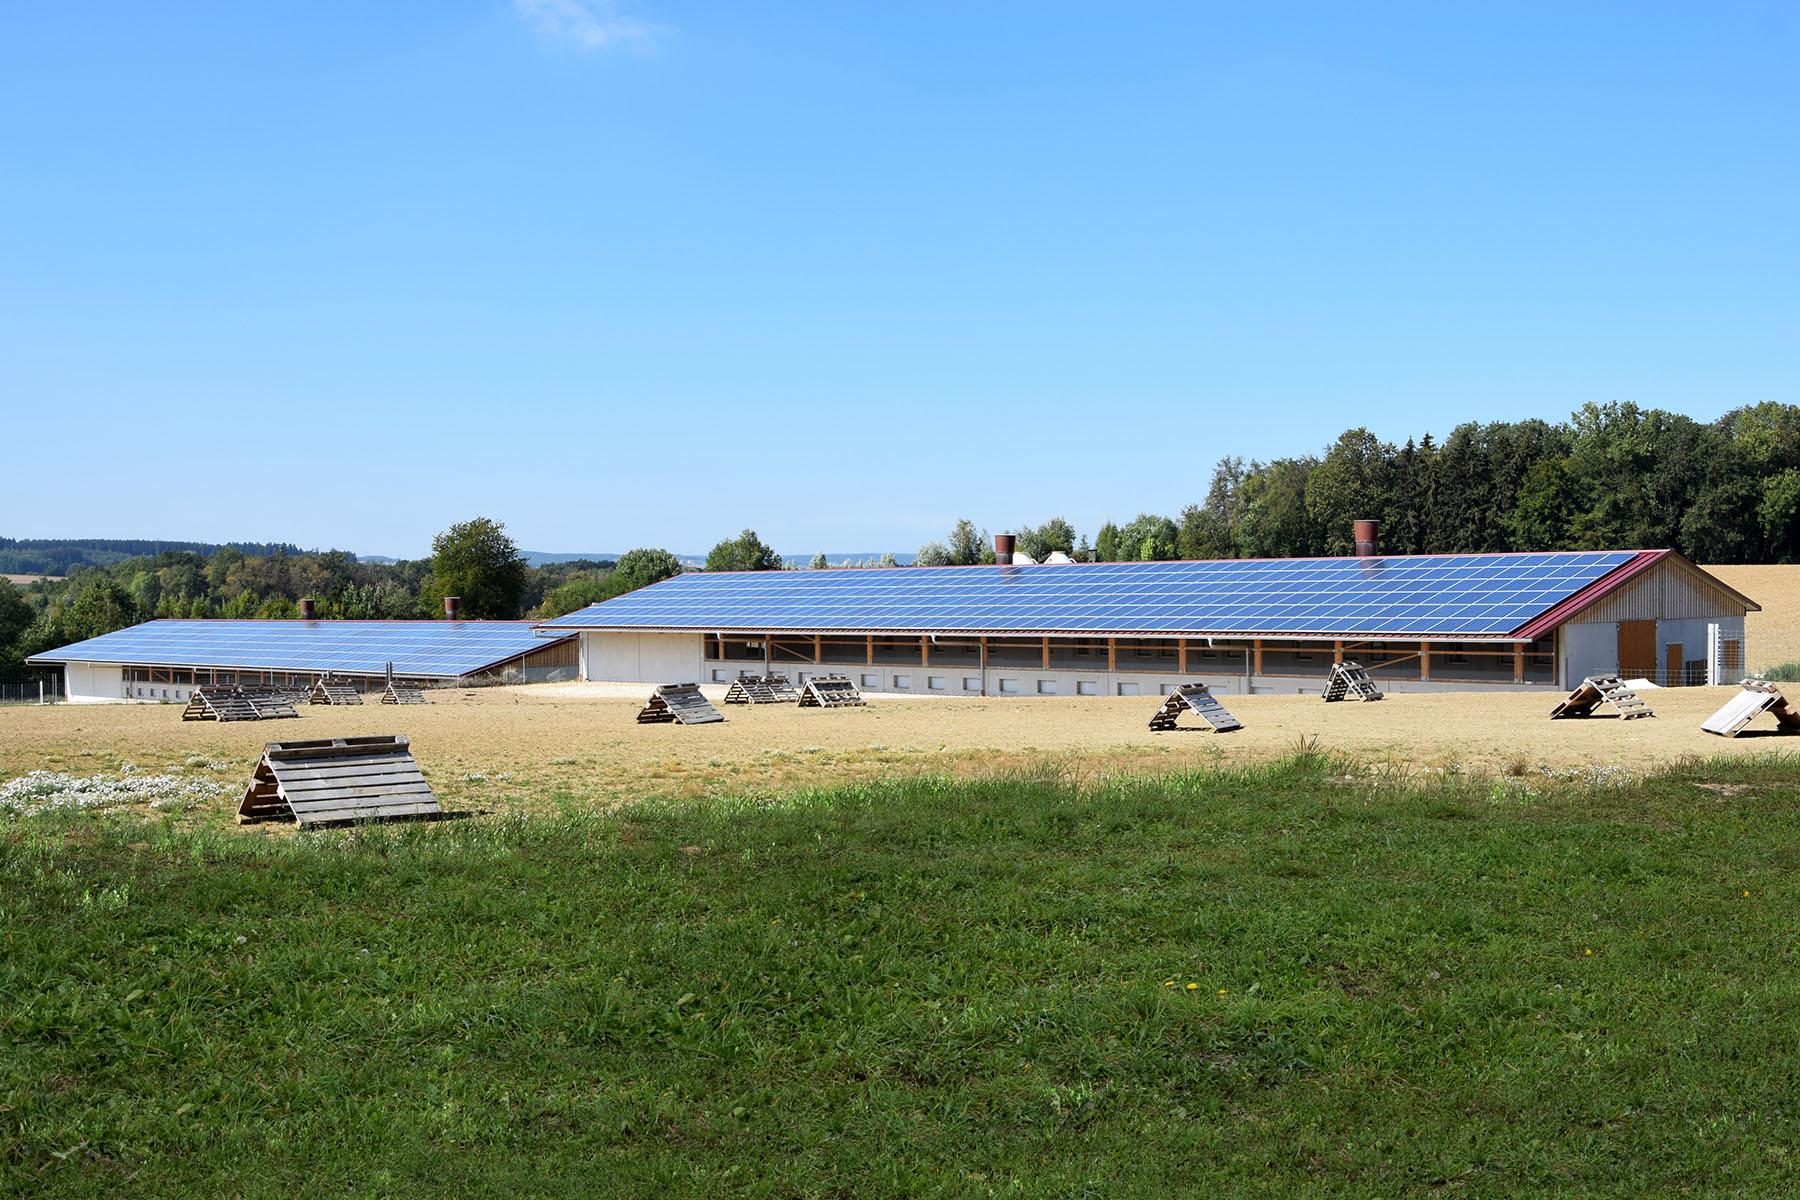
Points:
[1418,622]
[165,660]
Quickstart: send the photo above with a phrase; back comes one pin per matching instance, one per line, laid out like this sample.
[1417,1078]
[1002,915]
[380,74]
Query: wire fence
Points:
[29,691]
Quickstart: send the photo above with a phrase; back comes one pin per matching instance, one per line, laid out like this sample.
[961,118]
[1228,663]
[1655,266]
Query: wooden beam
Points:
[1518,662]
[818,653]
[1424,660]
[1181,656]
[1337,651]
[1046,654]
[924,649]
[1112,654]
[1257,643]
[871,650]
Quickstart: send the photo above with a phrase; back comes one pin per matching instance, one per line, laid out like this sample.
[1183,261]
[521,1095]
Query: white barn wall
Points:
[93,683]
[642,657]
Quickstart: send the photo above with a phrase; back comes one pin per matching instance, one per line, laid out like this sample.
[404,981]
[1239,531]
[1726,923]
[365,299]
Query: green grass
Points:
[1784,673]
[1272,981]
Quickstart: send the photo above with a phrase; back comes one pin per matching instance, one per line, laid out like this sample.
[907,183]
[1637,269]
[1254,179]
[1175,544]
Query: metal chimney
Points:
[308,610]
[1003,548]
[1366,533]
[452,608]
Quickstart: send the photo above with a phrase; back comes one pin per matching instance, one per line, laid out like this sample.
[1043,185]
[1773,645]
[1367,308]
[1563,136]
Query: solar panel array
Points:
[429,648]
[1432,595]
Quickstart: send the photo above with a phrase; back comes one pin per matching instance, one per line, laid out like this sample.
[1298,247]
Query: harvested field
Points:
[557,746]
[1774,633]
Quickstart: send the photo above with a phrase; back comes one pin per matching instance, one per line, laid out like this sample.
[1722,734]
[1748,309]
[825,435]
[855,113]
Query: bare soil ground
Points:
[1774,633]
[552,746]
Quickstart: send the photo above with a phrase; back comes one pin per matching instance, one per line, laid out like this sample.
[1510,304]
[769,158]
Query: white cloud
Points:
[590,24]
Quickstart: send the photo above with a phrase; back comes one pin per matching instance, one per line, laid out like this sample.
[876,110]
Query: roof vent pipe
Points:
[308,610]
[1366,532]
[452,608]
[1003,548]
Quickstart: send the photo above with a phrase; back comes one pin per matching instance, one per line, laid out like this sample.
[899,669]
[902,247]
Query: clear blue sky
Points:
[562,262]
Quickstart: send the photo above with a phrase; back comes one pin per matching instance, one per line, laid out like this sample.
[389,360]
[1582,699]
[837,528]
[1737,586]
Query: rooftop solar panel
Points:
[1426,596]
[437,649]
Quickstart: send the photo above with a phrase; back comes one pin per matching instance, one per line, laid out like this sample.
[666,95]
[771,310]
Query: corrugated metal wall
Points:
[1668,591]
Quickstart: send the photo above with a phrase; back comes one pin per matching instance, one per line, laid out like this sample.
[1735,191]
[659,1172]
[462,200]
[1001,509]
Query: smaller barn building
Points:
[1418,622]
[165,660]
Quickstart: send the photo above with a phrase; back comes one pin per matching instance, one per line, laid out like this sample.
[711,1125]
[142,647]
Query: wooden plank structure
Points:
[335,691]
[1199,698]
[1350,680]
[1756,697]
[271,703]
[678,702]
[762,689]
[402,693]
[830,691]
[337,779]
[1598,689]
[221,704]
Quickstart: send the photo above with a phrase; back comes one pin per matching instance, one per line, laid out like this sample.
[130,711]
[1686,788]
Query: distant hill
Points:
[54,556]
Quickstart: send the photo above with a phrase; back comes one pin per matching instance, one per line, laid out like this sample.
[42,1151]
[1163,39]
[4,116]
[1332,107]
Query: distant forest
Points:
[1613,476]
[54,556]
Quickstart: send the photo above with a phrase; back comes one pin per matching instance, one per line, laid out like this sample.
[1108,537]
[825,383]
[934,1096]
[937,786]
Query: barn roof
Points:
[1498,597]
[432,649]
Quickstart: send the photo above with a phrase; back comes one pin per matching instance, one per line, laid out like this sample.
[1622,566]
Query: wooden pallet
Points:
[403,693]
[1602,689]
[1756,697]
[830,691]
[337,779]
[678,702]
[762,689]
[272,703]
[332,691]
[1350,680]
[1198,698]
[220,704]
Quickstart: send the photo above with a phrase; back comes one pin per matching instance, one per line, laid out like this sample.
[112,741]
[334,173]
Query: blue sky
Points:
[584,267]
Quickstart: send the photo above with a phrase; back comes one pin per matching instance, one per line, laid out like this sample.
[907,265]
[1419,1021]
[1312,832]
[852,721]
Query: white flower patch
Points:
[52,791]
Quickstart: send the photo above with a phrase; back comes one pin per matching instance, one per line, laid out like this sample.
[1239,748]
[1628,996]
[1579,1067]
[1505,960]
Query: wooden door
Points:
[1677,672]
[1637,649]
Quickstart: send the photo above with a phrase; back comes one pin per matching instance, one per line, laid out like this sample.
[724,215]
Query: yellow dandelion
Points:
[1168,983]
[1221,991]
[1192,986]
[1587,951]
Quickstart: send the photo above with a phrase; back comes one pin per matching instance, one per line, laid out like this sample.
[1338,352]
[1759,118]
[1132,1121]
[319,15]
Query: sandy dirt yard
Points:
[1774,633]
[561,745]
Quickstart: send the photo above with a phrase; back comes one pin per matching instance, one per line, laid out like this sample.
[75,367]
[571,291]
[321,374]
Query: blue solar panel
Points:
[431,648]
[1475,595]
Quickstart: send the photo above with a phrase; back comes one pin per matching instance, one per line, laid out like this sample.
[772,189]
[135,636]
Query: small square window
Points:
[1168,689]
[935,683]
[1087,687]
[718,677]
[1009,685]
[1046,687]
[870,681]
[971,684]
[903,681]
[1128,689]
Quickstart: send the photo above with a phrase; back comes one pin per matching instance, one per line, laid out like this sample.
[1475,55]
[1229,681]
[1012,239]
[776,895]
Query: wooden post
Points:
[1181,656]
[924,649]
[1518,662]
[818,653]
[871,650]
[1046,654]
[1424,660]
[1112,654]
[1337,651]
[1257,643]
[983,641]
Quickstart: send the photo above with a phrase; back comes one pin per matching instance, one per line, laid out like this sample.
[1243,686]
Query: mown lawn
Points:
[1273,981]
